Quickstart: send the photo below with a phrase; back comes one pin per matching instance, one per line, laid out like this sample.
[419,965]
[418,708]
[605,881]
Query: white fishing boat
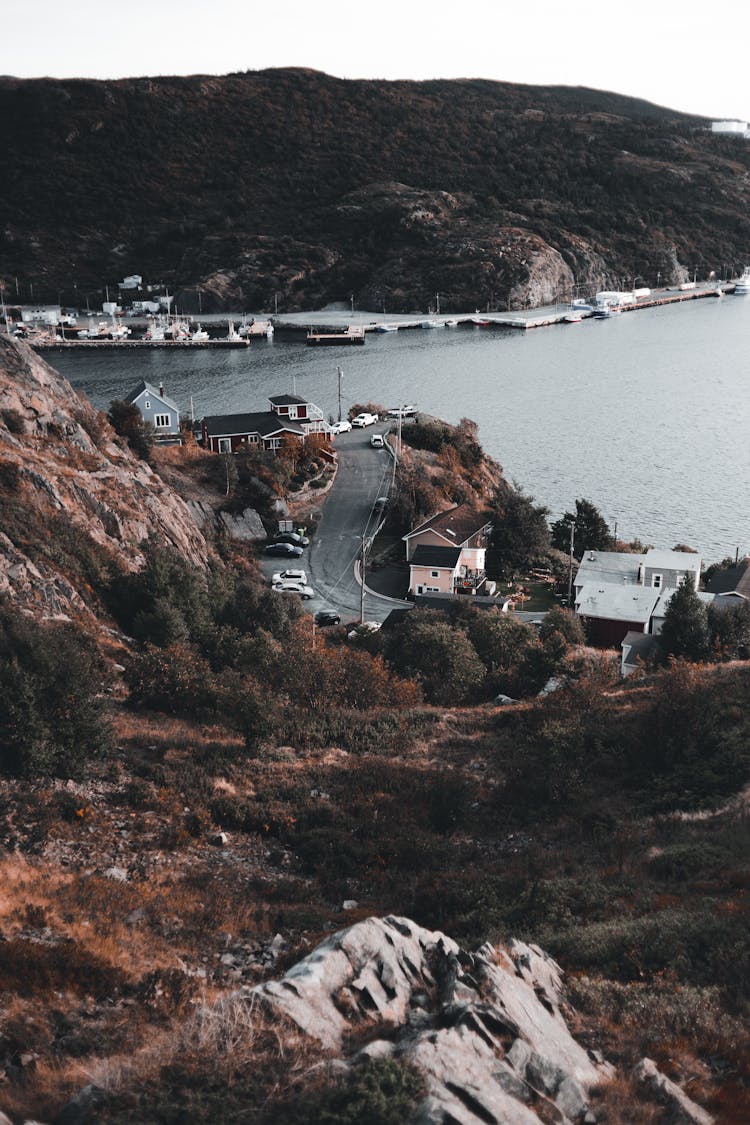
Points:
[199,336]
[742,288]
[386,328]
[575,316]
[431,324]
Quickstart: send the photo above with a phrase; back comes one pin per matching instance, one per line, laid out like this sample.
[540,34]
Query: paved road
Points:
[364,474]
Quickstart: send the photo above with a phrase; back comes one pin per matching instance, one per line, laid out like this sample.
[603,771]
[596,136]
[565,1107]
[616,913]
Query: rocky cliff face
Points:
[486,1029]
[73,498]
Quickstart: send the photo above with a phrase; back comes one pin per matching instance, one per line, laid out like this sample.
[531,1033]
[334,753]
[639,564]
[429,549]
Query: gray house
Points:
[160,411]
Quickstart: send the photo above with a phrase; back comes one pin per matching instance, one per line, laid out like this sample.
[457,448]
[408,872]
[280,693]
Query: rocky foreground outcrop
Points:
[71,492]
[487,1029]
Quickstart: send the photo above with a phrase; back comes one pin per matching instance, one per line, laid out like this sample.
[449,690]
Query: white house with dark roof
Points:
[158,410]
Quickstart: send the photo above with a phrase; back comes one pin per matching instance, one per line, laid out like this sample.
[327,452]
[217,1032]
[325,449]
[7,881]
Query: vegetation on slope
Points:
[313,187]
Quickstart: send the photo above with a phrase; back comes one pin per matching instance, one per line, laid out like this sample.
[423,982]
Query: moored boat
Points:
[386,328]
[742,288]
[431,323]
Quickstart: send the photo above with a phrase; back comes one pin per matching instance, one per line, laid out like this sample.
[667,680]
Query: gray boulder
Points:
[484,1028]
[681,1108]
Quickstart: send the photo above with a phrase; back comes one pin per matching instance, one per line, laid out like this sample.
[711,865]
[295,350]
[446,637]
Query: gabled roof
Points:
[154,393]
[618,603]
[264,422]
[639,645]
[440,558]
[456,525]
[735,578]
[287,400]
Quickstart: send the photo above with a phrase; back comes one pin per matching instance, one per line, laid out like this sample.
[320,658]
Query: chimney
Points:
[161,390]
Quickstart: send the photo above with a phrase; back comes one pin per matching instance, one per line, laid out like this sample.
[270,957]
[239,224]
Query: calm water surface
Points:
[647,414]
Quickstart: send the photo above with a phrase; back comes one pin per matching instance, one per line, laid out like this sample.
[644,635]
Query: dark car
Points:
[327,617]
[288,550]
[293,537]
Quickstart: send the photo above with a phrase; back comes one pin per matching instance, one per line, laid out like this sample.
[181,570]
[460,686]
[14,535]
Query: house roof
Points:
[456,524]
[264,422]
[736,578]
[446,602]
[666,597]
[143,386]
[639,646]
[287,400]
[440,558]
[618,603]
[672,560]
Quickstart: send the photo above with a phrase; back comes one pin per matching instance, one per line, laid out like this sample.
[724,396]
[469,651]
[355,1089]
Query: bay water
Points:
[646,414]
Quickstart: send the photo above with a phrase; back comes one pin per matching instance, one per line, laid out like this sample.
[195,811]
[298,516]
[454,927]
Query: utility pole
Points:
[340,374]
[362,581]
[570,564]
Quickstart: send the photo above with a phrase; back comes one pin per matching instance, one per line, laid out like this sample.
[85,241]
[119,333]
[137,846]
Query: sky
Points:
[686,55]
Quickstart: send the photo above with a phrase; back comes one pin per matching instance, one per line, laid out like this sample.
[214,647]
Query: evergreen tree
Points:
[591,531]
[685,630]
[520,533]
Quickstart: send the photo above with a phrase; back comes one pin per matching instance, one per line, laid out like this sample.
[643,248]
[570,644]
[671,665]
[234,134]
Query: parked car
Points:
[294,538]
[363,420]
[288,550]
[381,503]
[289,576]
[377,441]
[305,592]
[341,427]
[327,617]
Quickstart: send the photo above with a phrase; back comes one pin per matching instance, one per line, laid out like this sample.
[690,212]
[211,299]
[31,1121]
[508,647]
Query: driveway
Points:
[363,475]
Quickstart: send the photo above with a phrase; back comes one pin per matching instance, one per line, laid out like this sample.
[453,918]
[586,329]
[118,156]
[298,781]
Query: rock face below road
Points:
[486,1029]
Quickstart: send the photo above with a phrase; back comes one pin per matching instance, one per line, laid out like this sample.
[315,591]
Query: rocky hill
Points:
[74,500]
[294,186]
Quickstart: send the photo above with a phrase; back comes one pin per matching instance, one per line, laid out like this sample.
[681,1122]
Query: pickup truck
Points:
[363,420]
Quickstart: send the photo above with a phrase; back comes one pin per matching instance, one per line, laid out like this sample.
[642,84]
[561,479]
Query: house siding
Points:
[422,576]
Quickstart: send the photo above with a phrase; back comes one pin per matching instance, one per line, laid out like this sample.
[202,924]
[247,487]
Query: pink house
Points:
[446,554]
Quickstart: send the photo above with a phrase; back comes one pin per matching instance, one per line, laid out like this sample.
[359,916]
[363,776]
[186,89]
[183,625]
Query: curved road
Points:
[363,475]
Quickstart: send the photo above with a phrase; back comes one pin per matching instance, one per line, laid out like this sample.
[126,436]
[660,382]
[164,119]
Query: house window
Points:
[253,439]
[432,589]
[161,421]
[224,445]
[147,404]
[656,581]
[274,443]
[434,574]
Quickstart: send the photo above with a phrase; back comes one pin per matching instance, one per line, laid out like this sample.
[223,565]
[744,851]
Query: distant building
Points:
[296,409]
[41,314]
[159,411]
[733,128]
[135,281]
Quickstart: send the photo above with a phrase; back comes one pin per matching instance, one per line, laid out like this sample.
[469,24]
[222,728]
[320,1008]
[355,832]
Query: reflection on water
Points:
[646,414]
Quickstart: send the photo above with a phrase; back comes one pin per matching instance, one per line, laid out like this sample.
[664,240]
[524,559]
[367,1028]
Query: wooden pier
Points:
[354,334]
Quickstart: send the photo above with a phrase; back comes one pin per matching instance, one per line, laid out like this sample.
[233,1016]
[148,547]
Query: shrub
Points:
[51,717]
[375,1093]
[127,421]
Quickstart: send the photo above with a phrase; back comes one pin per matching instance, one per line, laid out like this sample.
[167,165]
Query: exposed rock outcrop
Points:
[71,491]
[486,1029]
[681,1108]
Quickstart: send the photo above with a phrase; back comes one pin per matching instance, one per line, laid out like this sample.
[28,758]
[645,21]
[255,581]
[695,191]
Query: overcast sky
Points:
[686,55]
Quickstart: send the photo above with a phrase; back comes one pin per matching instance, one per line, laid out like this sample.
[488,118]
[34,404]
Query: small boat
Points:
[451,322]
[481,321]
[575,316]
[742,288]
[256,328]
[431,324]
[199,336]
[386,328]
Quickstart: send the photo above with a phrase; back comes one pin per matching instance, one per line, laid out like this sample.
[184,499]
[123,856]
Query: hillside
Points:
[294,185]
[254,873]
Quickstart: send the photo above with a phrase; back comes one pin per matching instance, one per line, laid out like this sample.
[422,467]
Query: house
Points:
[637,648]
[617,593]
[263,430]
[296,409]
[446,553]
[158,410]
[734,580]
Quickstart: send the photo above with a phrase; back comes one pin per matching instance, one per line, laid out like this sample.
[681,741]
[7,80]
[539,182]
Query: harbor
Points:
[334,327]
